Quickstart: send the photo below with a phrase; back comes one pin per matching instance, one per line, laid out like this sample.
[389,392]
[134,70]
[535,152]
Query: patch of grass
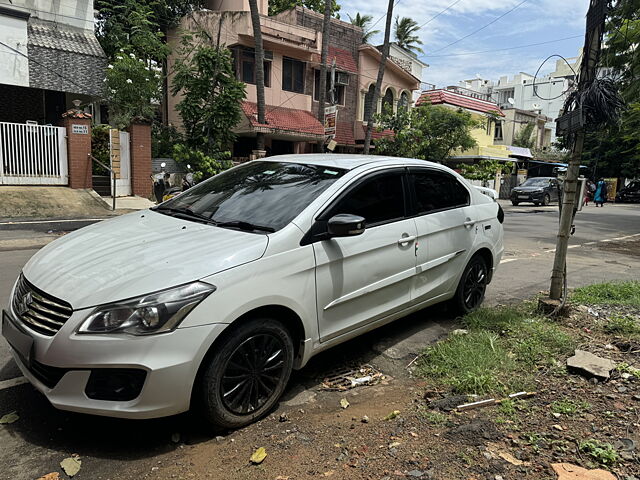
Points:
[508,408]
[567,406]
[434,418]
[621,293]
[622,325]
[533,439]
[602,453]
[500,353]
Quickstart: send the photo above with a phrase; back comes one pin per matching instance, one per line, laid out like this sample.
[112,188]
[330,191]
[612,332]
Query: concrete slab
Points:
[49,202]
[129,203]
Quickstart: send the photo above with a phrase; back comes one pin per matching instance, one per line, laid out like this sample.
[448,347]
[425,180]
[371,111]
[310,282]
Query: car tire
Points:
[236,389]
[537,204]
[472,286]
[514,203]
[546,200]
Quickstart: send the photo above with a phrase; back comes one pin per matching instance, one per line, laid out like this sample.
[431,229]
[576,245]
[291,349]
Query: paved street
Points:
[42,437]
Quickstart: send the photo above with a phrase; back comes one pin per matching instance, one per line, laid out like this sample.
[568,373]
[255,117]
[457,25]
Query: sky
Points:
[534,21]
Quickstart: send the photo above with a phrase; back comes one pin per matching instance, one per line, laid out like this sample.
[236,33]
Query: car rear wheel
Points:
[246,375]
[546,200]
[473,284]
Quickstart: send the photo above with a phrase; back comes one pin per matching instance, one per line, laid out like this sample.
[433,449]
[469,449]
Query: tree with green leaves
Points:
[278,6]
[484,170]
[363,21]
[524,137]
[428,132]
[614,151]
[405,30]
[211,96]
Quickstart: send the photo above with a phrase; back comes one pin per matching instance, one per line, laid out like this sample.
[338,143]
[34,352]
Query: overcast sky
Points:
[534,21]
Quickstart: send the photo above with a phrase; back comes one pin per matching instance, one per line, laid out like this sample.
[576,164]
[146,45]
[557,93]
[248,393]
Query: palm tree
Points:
[259,59]
[363,22]
[405,33]
[381,67]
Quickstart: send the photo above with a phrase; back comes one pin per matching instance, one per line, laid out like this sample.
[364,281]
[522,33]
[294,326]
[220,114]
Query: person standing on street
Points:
[601,193]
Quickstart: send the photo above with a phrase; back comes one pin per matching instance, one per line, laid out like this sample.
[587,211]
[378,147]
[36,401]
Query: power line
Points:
[504,49]
[438,14]
[42,65]
[482,27]
[378,21]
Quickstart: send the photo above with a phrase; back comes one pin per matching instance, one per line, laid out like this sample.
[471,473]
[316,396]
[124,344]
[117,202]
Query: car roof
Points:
[348,161]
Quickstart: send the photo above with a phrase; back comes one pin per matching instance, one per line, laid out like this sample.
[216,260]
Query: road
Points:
[43,436]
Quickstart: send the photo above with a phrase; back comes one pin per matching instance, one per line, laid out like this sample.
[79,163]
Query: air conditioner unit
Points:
[342,78]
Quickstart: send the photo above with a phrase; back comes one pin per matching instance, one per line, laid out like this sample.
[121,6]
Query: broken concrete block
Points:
[586,363]
[568,471]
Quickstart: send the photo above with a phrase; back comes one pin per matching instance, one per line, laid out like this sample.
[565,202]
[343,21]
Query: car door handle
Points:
[469,223]
[407,239]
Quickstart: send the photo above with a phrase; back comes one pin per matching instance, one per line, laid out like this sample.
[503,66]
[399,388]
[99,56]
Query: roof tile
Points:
[286,119]
[439,97]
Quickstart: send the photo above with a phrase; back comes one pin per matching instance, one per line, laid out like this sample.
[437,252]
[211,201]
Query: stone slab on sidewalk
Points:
[129,203]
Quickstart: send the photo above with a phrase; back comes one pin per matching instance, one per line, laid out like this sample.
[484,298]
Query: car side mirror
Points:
[345,225]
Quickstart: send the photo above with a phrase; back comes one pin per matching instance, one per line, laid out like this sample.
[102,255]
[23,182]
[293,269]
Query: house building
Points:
[398,85]
[49,57]
[546,95]
[515,119]
[407,60]
[292,42]
[488,113]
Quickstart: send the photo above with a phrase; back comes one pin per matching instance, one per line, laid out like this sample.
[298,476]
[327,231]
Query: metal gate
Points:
[33,154]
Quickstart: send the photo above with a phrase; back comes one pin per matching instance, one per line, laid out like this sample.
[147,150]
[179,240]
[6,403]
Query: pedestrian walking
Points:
[601,193]
[589,190]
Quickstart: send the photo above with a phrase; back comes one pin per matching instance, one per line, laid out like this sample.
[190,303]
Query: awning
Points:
[344,134]
[519,151]
[280,120]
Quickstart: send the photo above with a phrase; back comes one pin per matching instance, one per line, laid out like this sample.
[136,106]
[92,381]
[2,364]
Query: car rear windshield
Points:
[260,193]
[536,182]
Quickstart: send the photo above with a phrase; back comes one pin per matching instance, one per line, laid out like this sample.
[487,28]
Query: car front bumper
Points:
[527,196]
[60,367]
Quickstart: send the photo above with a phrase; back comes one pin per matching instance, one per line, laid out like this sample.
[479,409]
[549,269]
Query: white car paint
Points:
[337,288]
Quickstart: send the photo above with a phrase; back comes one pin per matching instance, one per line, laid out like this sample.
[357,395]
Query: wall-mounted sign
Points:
[80,129]
[330,119]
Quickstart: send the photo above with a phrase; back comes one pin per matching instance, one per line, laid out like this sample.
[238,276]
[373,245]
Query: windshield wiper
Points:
[242,225]
[185,213]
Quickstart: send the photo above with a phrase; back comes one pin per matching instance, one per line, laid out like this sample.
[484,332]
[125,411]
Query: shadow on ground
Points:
[51,434]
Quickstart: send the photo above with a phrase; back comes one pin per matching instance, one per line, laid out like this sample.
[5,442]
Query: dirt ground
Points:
[316,437]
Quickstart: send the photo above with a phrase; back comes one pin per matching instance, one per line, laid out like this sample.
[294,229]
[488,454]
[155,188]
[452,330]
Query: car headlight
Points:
[154,313]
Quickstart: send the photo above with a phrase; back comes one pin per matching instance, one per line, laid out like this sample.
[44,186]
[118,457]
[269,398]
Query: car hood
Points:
[136,254]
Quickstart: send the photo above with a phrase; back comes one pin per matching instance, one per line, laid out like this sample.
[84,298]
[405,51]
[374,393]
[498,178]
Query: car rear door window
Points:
[435,191]
[379,200]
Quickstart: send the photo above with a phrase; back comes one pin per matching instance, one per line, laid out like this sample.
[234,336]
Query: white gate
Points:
[121,162]
[33,155]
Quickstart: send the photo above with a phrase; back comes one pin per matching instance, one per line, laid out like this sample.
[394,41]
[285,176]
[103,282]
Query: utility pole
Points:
[376,92]
[259,65]
[326,23]
[572,122]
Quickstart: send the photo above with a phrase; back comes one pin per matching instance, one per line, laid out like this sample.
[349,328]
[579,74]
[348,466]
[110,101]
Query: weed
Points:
[533,439]
[434,418]
[602,453]
[466,457]
[508,408]
[622,293]
[626,368]
[568,406]
[622,325]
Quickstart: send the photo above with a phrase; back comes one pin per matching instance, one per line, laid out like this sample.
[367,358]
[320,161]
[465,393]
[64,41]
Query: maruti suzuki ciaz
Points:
[211,298]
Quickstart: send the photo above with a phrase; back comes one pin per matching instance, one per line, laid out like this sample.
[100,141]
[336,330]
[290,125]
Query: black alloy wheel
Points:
[473,284]
[252,373]
[245,373]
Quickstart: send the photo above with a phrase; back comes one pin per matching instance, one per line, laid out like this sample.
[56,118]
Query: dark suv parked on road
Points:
[539,190]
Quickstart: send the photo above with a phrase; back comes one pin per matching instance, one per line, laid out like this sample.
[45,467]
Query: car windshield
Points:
[536,182]
[258,196]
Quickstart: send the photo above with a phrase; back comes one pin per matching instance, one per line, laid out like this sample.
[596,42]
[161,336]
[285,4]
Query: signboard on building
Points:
[330,120]
[80,129]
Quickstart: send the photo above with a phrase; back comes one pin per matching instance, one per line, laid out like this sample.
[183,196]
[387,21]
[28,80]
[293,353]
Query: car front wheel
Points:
[246,375]
[473,284]
[546,200]
[514,203]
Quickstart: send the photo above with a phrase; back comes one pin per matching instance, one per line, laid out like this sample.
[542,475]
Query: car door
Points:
[554,190]
[363,278]
[447,230]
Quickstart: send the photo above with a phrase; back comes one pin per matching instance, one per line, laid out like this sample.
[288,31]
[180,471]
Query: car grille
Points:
[39,311]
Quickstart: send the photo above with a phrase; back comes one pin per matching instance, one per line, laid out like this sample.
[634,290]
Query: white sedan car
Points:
[211,298]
